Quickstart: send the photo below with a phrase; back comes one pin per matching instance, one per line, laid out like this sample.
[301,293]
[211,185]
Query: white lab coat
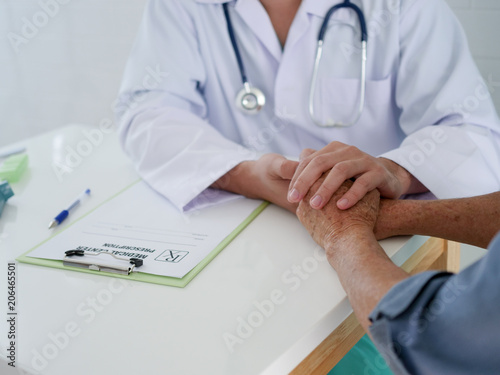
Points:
[427,107]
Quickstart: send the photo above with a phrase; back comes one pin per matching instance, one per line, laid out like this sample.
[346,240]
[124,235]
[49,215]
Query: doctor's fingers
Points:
[306,153]
[319,162]
[362,186]
[309,171]
[283,168]
[341,172]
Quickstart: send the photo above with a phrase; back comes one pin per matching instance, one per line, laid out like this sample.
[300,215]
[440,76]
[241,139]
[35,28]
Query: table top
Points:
[260,307]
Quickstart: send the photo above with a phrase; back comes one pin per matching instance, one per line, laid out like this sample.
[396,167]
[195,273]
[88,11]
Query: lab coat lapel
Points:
[256,17]
[298,28]
[319,8]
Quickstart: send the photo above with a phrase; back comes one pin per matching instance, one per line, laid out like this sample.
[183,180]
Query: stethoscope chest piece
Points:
[250,100]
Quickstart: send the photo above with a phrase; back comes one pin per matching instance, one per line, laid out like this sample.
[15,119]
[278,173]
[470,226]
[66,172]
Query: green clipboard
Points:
[138,276]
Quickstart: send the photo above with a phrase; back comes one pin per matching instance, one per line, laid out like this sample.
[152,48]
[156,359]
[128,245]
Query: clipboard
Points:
[140,276]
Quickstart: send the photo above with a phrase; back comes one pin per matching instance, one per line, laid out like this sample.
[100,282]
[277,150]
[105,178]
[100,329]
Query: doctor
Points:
[428,122]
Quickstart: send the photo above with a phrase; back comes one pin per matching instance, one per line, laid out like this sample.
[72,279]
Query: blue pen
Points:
[64,214]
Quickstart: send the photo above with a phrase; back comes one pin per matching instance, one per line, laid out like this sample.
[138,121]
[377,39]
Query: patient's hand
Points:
[332,228]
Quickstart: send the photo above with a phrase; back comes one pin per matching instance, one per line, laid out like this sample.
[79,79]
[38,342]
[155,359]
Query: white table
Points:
[138,328]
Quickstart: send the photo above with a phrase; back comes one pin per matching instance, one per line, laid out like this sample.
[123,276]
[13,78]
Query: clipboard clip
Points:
[69,261]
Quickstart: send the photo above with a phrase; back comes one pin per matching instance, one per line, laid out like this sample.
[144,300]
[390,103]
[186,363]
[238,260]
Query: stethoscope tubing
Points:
[345,4]
[247,89]
[234,43]
[317,61]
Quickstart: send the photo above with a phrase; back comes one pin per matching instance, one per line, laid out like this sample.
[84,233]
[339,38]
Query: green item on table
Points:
[5,193]
[363,358]
[13,168]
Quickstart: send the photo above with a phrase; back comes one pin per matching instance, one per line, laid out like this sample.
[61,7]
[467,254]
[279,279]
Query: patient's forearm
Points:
[473,220]
[365,271]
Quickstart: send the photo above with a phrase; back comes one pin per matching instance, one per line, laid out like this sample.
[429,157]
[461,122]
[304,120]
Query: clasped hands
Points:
[334,209]
[319,190]
[286,182]
[316,184]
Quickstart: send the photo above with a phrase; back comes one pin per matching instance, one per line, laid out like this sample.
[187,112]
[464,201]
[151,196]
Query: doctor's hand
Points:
[267,178]
[345,162]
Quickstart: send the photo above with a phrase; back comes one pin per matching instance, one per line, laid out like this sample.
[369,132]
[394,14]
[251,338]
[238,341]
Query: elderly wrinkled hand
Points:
[330,225]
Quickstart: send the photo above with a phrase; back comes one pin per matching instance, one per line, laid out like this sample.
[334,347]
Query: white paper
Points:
[141,223]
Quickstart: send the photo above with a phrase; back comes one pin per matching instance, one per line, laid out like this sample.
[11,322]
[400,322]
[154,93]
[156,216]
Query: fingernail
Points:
[294,195]
[343,203]
[316,201]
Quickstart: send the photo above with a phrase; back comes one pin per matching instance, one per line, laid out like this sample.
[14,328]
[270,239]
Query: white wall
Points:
[480,18]
[70,69]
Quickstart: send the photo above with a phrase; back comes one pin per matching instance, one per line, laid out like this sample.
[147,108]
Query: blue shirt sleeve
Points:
[441,323]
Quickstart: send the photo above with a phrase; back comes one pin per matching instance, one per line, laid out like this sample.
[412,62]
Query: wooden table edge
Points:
[434,254]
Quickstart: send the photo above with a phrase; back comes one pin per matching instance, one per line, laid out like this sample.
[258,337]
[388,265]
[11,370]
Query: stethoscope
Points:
[251,100]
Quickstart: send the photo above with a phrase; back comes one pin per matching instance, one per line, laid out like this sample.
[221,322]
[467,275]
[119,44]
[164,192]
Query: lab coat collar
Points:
[314,7]
[213,1]
[251,12]
[319,7]
[255,16]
